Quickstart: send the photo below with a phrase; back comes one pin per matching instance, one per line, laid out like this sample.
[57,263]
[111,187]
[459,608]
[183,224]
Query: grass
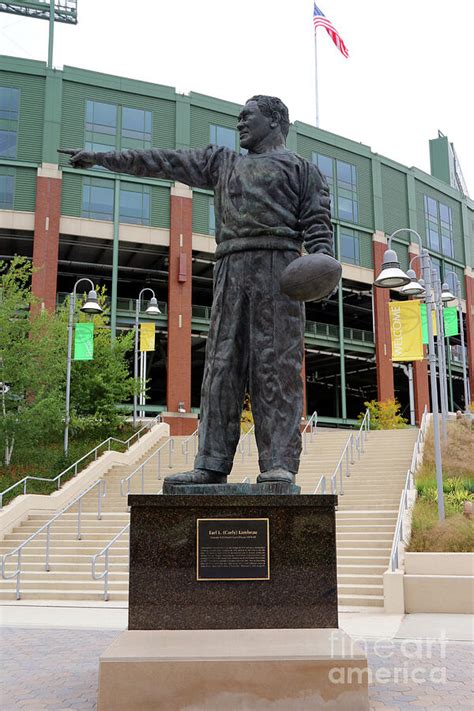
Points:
[48,461]
[456,532]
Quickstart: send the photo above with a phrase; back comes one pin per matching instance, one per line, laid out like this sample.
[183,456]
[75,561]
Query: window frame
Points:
[11,124]
[8,173]
[438,231]
[339,189]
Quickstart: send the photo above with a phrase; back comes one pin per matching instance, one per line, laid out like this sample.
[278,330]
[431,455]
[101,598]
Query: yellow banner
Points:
[405,329]
[147,336]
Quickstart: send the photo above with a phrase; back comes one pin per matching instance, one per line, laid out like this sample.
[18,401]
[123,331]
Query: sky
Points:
[409,74]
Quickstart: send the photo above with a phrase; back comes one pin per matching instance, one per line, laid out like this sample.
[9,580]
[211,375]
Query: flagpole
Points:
[316,78]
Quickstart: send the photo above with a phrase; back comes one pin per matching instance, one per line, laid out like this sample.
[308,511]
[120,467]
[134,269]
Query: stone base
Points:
[211,670]
[230,489]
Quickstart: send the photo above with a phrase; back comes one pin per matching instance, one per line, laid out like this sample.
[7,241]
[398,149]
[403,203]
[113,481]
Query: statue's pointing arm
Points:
[197,168]
[315,213]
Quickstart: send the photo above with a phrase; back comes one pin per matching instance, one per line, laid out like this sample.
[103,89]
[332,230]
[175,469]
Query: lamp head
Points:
[153,309]
[391,276]
[414,288]
[446,294]
[92,305]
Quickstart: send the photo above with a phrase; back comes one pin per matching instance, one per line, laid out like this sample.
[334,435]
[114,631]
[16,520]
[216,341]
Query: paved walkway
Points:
[53,668]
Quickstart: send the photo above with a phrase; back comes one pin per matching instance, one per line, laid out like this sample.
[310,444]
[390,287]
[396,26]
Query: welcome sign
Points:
[405,330]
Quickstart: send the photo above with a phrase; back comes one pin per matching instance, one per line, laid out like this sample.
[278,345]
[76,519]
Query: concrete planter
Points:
[439,582]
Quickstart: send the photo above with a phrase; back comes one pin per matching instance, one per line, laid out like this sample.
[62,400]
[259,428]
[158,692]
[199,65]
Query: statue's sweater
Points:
[273,200]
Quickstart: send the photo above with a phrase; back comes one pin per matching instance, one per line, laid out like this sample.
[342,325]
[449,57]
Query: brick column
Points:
[383,346]
[469,286]
[46,236]
[420,367]
[179,312]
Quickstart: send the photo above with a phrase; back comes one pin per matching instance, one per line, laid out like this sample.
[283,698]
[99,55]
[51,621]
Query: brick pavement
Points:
[56,669]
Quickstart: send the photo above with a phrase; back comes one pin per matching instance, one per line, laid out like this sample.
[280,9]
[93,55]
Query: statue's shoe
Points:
[196,476]
[276,475]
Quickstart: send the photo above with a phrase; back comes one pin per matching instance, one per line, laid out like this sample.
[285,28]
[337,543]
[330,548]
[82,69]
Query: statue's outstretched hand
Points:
[79,158]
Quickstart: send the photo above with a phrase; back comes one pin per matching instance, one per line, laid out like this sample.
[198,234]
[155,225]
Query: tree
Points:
[33,357]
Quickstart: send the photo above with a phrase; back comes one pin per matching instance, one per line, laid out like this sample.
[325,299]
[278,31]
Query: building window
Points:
[136,128]
[110,127]
[350,247]
[7,187]
[221,136]
[135,204]
[451,281]
[9,107]
[212,217]
[439,226]
[342,181]
[98,199]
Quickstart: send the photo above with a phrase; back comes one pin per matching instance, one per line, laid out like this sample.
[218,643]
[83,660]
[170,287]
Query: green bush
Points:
[384,415]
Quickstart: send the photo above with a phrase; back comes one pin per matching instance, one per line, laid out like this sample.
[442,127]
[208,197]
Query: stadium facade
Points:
[128,233]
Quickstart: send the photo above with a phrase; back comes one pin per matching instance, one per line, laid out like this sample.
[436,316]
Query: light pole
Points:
[442,365]
[467,399]
[90,307]
[152,310]
[391,277]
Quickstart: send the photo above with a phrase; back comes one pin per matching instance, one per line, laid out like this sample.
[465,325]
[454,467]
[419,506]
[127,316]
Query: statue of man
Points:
[268,203]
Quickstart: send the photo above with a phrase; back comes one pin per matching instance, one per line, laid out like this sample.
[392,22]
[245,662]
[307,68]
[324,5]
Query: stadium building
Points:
[128,233]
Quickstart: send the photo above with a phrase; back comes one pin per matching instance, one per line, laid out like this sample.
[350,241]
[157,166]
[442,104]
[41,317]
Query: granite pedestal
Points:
[210,644]
[165,593]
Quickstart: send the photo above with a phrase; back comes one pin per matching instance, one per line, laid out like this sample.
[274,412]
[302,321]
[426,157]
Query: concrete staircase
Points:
[365,521]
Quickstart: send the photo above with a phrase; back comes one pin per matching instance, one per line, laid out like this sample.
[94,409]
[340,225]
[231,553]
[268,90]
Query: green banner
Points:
[424,324]
[84,341]
[451,325]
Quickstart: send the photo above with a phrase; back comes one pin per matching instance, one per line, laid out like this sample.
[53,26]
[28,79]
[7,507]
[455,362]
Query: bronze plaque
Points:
[233,549]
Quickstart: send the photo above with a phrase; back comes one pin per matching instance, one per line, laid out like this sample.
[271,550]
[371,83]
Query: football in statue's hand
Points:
[311,277]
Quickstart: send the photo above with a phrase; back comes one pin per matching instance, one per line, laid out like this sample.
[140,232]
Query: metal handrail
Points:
[354,441]
[363,432]
[311,424]
[409,482]
[185,444]
[102,490]
[322,484]
[75,465]
[105,552]
[141,468]
[242,442]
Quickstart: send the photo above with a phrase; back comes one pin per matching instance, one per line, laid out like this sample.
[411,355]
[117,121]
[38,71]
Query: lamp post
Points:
[90,307]
[392,277]
[152,309]
[442,365]
[467,399]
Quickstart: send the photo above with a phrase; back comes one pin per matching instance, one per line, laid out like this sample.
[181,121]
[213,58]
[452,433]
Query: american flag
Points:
[320,20]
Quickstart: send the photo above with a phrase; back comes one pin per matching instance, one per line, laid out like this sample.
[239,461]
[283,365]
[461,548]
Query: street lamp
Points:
[90,307]
[152,310]
[414,288]
[443,381]
[385,280]
[467,399]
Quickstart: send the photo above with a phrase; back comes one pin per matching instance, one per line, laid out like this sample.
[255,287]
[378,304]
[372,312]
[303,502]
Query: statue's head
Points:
[263,118]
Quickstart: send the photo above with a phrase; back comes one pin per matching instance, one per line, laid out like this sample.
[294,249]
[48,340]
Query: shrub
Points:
[384,415]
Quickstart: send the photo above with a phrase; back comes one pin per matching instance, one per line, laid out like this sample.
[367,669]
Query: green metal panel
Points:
[402,251]
[30,118]
[306,147]
[52,116]
[201,118]
[423,189]
[377,194]
[71,197]
[25,190]
[366,251]
[201,213]
[395,201]
[160,207]
[75,96]
[440,161]
[183,121]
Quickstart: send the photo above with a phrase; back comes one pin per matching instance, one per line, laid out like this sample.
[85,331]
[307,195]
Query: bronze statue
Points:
[268,203]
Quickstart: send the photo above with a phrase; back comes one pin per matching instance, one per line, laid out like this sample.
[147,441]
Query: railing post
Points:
[24,486]
[106,576]
[159,463]
[341,479]
[143,478]
[347,462]
[79,510]
[18,576]
[170,452]
[99,502]
[46,557]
